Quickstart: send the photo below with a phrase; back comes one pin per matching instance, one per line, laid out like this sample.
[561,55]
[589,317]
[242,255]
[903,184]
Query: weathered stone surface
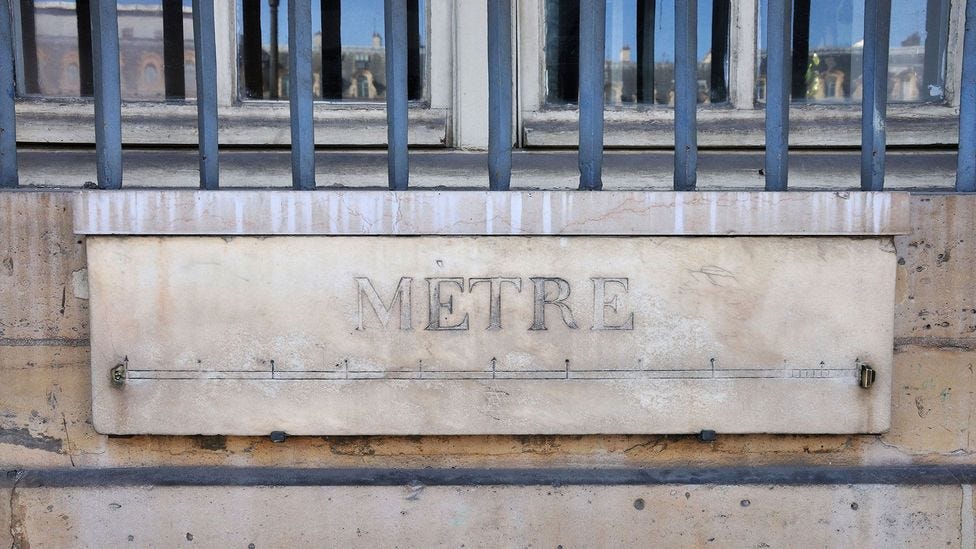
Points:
[341,335]
[41,369]
[933,401]
[38,255]
[91,449]
[6,537]
[418,516]
[45,416]
[936,273]
[525,213]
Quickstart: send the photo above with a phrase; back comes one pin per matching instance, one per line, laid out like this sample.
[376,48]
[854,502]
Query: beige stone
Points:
[38,253]
[6,537]
[933,401]
[45,416]
[44,369]
[641,213]
[494,516]
[936,274]
[303,335]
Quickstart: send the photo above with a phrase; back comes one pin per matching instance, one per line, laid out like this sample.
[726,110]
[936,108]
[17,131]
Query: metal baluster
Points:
[499,94]
[593,16]
[966,172]
[300,94]
[8,95]
[874,93]
[778,70]
[205,46]
[685,94]
[395,23]
[108,93]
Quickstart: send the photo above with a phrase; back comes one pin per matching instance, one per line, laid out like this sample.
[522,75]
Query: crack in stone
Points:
[67,440]
[18,534]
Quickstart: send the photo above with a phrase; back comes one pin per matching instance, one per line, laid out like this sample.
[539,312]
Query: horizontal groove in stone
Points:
[275,476]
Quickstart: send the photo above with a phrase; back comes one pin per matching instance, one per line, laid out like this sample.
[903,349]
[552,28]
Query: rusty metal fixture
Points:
[866,376]
[118,374]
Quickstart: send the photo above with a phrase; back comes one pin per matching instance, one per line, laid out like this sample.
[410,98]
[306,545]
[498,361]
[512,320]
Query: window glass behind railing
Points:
[639,66]
[828,45]
[54,56]
[348,52]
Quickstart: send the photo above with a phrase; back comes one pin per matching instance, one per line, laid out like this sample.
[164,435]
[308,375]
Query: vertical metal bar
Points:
[174,78]
[592,43]
[966,172]
[778,43]
[331,49]
[108,94]
[645,50]
[685,94]
[801,48]
[300,94]
[252,51]
[83,16]
[874,100]
[8,96]
[395,24]
[205,46]
[273,62]
[499,94]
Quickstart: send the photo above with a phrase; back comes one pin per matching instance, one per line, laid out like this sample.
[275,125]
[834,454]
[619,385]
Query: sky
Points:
[622,29]
[841,22]
[833,23]
[360,19]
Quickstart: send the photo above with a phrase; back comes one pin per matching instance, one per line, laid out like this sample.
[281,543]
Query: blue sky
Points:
[360,19]
[841,22]
[833,23]
[622,28]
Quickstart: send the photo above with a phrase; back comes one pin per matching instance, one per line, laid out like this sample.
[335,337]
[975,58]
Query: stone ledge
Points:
[521,213]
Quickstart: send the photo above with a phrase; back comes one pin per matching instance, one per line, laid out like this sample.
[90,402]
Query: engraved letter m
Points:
[384,313]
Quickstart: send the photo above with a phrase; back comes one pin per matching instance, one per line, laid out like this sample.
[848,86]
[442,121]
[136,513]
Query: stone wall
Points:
[45,423]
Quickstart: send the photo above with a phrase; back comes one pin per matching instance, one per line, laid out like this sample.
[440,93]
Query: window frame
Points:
[253,122]
[740,122]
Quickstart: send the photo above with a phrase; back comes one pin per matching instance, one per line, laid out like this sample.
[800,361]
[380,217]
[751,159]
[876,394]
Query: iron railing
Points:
[108,120]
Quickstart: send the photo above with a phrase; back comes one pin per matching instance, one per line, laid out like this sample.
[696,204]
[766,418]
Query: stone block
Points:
[494,516]
[41,268]
[933,402]
[45,418]
[477,335]
[936,296]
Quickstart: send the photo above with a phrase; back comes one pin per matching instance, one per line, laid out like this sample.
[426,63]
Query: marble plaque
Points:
[344,335]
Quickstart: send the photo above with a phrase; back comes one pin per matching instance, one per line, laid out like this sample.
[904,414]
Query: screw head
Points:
[278,436]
